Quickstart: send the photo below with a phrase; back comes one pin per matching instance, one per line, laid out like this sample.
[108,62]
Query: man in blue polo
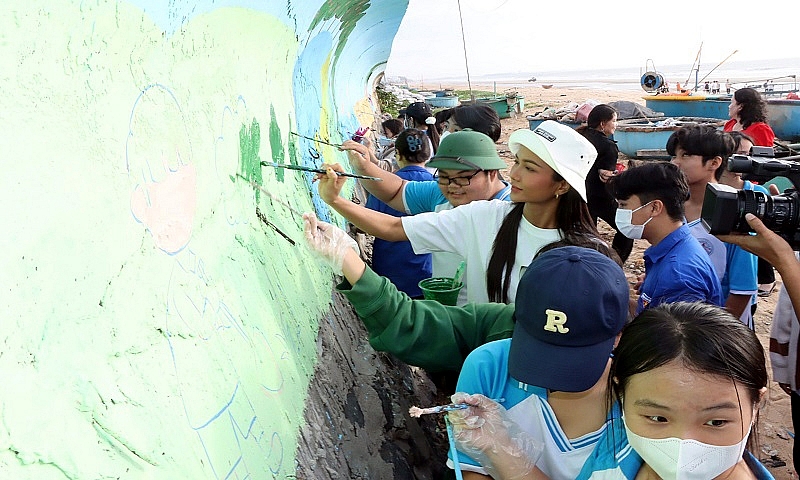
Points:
[651,206]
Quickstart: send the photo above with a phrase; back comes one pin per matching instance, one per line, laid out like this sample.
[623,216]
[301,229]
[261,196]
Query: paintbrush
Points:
[271,195]
[274,198]
[417,412]
[337,145]
[317,170]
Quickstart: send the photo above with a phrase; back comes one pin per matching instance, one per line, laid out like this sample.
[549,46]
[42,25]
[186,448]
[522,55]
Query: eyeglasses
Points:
[460,181]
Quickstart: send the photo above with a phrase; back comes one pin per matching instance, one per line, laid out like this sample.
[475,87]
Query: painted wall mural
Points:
[160,311]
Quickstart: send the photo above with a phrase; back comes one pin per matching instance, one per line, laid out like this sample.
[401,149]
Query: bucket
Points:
[440,289]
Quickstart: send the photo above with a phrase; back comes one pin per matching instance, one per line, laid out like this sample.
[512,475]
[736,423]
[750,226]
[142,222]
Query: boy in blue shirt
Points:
[701,152]
[651,201]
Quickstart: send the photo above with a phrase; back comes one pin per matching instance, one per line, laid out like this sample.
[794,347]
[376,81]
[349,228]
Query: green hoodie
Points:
[424,333]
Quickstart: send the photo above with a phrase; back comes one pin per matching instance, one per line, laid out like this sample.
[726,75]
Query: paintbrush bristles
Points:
[417,412]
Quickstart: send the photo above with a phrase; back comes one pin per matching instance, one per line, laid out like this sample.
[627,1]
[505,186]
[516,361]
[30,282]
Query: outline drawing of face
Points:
[158,160]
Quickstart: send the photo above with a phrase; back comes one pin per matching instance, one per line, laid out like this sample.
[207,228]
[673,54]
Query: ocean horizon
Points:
[741,74]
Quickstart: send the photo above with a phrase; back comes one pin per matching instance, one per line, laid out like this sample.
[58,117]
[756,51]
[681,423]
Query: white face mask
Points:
[623,219]
[444,134]
[676,459]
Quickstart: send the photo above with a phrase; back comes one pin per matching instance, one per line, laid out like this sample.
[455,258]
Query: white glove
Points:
[486,433]
[329,241]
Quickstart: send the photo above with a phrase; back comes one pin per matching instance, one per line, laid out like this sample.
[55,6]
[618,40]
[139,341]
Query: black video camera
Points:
[724,207]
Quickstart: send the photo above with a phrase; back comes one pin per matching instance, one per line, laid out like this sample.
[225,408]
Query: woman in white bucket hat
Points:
[497,239]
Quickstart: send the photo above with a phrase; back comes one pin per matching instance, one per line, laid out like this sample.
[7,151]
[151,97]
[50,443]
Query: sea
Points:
[784,72]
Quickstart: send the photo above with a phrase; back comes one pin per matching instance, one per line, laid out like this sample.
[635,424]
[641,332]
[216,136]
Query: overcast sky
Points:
[530,36]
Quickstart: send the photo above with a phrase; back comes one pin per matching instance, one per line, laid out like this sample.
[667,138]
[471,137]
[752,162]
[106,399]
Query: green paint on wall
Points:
[292,141]
[348,13]
[275,142]
[249,160]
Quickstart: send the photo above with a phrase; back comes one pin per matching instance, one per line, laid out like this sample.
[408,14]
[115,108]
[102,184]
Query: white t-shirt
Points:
[469,231]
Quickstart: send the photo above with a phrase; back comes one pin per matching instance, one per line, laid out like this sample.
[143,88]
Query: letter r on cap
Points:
[556,321]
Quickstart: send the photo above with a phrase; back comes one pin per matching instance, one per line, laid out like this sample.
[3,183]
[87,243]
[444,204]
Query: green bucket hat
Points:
[467,150]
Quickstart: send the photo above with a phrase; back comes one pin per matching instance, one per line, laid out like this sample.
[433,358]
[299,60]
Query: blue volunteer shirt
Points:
[678,269]
[397,260]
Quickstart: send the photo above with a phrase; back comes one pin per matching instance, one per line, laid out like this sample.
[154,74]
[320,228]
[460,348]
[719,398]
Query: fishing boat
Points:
[783,115]
[504,104]
[644,138]
[677,105]
[446,98]
[548,86]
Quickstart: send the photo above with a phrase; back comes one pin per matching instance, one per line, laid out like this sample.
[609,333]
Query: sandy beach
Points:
[774,441]
[538,98]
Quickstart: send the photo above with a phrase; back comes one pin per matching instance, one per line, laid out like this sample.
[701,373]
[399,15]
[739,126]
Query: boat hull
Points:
[784,117]
[638,138]
[689,106]
[442,102]
[504,106]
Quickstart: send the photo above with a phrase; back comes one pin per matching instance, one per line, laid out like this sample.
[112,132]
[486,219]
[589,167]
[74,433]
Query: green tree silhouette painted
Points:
[249,159]
[348,14]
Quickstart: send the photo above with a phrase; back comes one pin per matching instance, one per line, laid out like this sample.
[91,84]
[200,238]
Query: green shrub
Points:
[388,102]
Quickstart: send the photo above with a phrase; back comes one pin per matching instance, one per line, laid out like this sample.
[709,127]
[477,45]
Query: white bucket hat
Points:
[562,148]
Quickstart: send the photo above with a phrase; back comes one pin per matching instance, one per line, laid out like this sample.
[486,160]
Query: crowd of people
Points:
[567,370]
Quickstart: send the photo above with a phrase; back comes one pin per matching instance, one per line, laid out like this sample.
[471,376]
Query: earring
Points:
[556,196]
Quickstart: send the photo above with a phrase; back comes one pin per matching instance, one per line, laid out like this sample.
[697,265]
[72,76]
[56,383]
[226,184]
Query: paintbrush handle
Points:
[317,170]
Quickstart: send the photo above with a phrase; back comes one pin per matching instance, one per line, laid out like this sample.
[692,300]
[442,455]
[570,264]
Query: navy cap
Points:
[418,110]
[571,304]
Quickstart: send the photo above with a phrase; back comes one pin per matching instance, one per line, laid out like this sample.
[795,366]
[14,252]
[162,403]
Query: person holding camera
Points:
[785,329]
[742,145]
[701,152]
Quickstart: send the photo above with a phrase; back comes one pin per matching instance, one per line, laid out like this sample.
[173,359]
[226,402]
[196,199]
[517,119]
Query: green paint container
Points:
[440,289]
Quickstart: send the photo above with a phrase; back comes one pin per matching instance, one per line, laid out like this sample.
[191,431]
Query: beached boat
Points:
[642,138]
[504,105]
[547,86]
[783,115]
[677,105]
[445,101]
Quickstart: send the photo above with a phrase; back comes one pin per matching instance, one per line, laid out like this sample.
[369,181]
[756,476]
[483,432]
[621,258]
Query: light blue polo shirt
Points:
[420,197]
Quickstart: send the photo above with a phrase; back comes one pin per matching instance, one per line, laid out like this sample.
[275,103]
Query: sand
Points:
[775,418]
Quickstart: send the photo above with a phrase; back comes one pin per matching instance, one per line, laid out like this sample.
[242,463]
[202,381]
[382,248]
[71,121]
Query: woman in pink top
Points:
[748,112]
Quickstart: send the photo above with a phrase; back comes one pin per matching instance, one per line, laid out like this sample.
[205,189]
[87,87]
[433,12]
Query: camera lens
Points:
[779,213]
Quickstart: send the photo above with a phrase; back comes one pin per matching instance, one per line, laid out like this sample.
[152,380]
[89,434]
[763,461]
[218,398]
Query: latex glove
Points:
[329,241]
[330,184]
[486,433]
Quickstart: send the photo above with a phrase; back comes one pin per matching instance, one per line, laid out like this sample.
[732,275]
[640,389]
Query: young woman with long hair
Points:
[497,239]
